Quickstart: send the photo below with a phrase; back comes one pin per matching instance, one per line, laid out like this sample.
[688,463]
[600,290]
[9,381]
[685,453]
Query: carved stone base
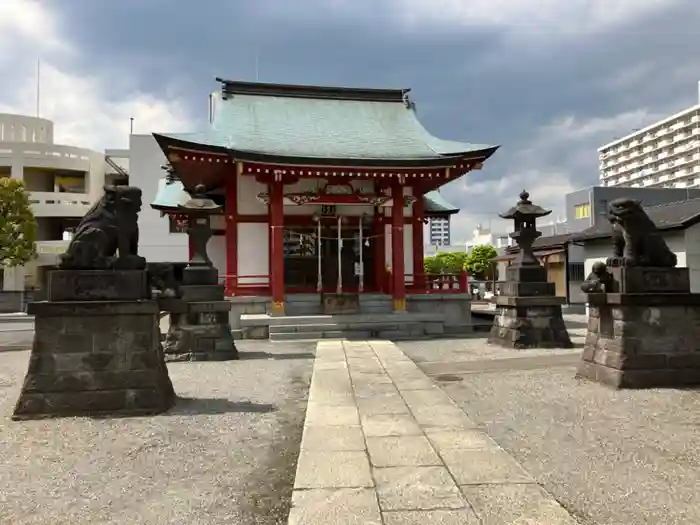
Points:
[103,285]
[200,329]
[96,358]
[529,322]
[642,340]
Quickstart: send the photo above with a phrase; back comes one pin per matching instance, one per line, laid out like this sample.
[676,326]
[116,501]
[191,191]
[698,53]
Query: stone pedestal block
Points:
[95,358]
[199,326]
[529,322]
[102,285]
[646,280]
[643,340]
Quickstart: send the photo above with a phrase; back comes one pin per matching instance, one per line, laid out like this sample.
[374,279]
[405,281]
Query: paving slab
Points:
[383,444]
[431,517]
[402,451]
[335,507]
[337,438]
[318,469]
[417,488]
[318,413]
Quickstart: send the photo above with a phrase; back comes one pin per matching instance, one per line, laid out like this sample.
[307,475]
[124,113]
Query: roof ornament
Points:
[170,175]
[407,100]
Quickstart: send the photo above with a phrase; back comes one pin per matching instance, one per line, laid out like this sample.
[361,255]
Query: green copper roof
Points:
[435,204]
[170,196]
[323,123]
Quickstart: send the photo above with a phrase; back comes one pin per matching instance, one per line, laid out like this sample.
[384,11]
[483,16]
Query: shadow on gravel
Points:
[197,406]
[244,356]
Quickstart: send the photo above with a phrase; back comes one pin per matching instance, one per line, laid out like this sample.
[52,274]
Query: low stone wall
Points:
[246,306]
[15,301]
[455,307]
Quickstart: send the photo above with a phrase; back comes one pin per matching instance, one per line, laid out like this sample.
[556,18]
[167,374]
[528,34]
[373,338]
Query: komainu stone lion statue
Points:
[110,227]
[636,241]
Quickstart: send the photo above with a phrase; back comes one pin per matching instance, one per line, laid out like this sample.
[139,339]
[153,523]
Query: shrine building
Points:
[325,191]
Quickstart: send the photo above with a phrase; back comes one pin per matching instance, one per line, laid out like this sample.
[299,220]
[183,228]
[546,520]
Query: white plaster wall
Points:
[248,190]
[253,258]
[156,244]
[408,250]
[387,245]
[216,248]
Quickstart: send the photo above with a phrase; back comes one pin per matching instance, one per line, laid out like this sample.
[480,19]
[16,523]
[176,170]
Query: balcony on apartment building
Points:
[57,193]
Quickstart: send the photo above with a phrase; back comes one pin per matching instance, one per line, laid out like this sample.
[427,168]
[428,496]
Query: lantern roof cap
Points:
[525,209]
[199,202]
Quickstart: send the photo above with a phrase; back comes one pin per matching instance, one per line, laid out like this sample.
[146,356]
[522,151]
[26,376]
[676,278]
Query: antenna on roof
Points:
[38,86]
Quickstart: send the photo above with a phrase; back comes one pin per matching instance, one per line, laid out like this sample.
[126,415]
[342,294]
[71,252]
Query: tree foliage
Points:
[17,224]
[478,263]
[445,262]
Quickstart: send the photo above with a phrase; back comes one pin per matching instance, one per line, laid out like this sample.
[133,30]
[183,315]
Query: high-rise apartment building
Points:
[665,154]
[440,231]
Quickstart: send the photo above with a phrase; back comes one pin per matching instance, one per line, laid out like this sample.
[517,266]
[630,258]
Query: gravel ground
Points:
[225,454]
[610,457]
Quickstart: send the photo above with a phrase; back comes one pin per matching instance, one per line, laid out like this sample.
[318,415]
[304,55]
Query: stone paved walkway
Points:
[382,445]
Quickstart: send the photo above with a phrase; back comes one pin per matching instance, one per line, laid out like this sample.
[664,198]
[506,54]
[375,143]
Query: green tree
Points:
[453,262]
[432,265]
[445,262]
[17,224]
[479,264]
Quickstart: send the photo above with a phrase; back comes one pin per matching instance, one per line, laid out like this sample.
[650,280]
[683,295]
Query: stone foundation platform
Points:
[529,322]
[199,326]
[643,340]
[95,358]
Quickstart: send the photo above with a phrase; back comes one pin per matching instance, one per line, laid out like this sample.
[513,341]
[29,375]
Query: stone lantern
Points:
[524,215]
[200,329]
[530,312]
[198,211]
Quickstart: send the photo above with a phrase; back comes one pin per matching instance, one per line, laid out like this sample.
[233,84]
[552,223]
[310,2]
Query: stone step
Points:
[348,327]
[391,318]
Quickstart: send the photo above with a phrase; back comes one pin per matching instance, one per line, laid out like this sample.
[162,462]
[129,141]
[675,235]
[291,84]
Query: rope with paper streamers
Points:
[314,234]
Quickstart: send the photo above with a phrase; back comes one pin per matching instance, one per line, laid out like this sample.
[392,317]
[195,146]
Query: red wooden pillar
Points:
[379,246]
[190,248]
[417,231]
[231,210]
[397,248]
[276,195]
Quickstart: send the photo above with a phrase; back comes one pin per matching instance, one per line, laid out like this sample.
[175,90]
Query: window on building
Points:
[582,211]
[576,272]
[603,207]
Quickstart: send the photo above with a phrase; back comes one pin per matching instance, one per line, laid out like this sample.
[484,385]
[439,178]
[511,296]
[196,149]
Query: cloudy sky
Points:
[549,80]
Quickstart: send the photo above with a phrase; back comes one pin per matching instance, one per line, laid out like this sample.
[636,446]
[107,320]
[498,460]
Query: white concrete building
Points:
[485,236]
[665,154]
[62,181]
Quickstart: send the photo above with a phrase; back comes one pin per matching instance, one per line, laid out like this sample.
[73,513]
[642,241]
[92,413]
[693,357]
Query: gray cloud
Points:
[550,95]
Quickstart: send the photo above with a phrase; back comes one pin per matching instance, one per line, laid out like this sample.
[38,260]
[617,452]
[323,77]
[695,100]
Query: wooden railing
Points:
[437,283]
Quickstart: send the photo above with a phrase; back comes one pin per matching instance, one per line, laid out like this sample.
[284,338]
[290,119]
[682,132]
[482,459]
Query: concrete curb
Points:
[383,445]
